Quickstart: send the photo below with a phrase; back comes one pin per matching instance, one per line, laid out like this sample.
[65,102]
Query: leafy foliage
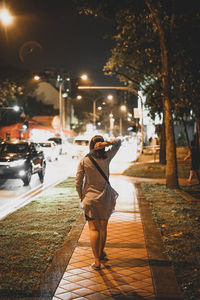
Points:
[150,53]
[17,88]
[14,84]
[136,53]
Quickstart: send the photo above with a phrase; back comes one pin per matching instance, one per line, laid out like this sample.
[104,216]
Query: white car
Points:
[61,143]
[80,147]
[50,150]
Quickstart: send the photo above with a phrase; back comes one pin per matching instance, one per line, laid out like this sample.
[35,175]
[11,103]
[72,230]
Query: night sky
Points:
[50,34]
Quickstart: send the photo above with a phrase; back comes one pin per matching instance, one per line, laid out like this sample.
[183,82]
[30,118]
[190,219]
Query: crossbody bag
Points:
[98,168]
[114,194]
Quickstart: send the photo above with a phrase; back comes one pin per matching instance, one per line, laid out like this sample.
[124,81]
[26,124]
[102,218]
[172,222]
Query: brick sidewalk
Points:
[127,273]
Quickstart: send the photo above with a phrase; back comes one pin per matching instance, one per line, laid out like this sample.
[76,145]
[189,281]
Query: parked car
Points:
[50,149]
[20,160]
[80,147]
[61,143]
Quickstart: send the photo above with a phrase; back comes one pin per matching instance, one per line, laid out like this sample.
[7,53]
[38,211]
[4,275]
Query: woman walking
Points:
[91,188]
[194,156]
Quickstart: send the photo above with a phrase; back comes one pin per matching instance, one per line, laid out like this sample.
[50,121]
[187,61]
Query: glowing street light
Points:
[110,97]
[16,108]
[84,77]
[123,109]
[37,78]
[5,17]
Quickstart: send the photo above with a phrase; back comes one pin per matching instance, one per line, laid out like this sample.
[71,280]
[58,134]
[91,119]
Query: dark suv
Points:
[21,159]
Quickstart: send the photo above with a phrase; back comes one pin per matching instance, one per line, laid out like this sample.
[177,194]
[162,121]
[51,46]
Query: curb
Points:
[55,272]
[163,277]
[187,196]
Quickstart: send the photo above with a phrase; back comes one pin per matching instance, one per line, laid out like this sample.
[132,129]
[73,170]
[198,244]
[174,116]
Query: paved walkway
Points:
[126,275]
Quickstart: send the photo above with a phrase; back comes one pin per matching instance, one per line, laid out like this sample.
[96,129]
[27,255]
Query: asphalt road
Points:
[13,194]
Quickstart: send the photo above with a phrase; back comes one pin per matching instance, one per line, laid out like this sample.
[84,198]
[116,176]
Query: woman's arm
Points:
[101,145]
[116,143]
[79,179]
[189,154]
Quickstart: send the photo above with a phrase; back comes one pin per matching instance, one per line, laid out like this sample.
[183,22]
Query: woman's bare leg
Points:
[103,236]
[191,175]
[95,229]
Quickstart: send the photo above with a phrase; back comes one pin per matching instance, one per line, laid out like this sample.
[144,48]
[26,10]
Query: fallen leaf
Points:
[177,234]
[163,225]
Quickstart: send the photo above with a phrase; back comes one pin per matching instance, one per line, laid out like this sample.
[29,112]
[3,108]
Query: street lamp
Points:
[109,97]
[37,78]
[84,77]
[5,17]
[79,97]
[16,108]
[112,120]
[123,109]
[60,97]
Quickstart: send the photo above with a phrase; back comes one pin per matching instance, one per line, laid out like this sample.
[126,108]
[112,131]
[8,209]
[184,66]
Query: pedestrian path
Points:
[126,275]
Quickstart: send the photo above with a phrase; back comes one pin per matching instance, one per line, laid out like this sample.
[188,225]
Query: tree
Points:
[17,88]
[146,40]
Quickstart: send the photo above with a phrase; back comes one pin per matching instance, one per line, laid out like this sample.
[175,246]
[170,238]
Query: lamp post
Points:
[61,107]
[15,108]
[123,109]
[60,83]
[112,120]
[109,97]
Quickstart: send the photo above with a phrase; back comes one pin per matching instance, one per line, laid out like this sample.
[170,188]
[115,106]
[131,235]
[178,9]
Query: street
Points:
[13,194]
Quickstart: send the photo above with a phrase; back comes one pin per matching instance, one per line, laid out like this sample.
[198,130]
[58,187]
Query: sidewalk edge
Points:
[164,280]
[61,258]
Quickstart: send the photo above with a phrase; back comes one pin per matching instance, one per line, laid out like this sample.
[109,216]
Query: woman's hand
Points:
[100,145]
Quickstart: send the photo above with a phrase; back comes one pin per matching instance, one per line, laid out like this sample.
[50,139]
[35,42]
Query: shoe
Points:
[94,267]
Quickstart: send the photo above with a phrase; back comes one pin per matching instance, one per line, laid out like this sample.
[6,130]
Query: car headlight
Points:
[17,163]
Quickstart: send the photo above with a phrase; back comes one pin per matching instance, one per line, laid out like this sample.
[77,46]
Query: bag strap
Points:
[98,167]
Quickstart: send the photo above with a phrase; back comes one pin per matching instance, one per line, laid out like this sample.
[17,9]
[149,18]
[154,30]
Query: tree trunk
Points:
[171,166]
[198,134]
[162,156]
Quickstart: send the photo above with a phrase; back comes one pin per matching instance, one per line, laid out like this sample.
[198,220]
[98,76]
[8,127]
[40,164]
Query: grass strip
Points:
[179,223]
[154,170]
[30,236]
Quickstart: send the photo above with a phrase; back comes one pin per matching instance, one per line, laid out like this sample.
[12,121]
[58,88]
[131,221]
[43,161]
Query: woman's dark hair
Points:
[97,153]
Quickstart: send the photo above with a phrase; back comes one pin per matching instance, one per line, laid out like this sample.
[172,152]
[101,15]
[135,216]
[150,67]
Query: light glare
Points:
[84,77]
[5,17]
[36,77]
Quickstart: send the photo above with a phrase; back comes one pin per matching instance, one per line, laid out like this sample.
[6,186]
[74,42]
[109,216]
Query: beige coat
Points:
[93,188]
